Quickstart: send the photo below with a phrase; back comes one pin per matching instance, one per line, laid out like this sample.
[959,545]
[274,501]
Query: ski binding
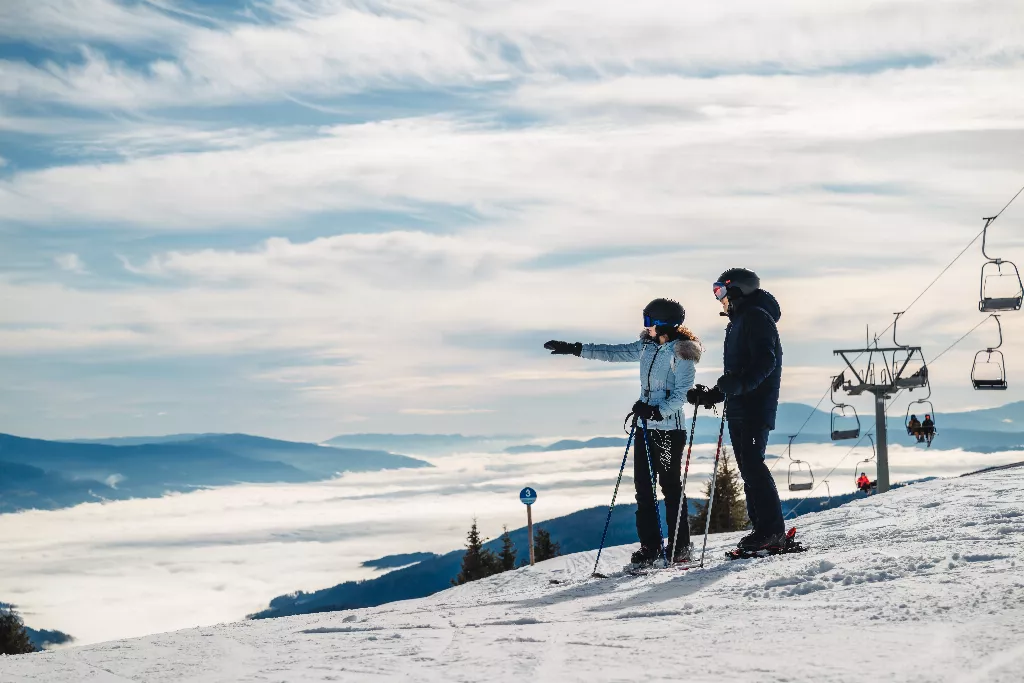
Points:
[791,545]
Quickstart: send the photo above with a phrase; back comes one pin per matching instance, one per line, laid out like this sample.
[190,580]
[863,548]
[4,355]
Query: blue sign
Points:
[528,496]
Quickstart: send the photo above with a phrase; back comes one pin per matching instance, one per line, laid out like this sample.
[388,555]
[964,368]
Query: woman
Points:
[667,352]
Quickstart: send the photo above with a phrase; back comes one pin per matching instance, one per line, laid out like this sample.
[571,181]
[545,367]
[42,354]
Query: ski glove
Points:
[645,411]
[561,348]
[729,385]
[700,395]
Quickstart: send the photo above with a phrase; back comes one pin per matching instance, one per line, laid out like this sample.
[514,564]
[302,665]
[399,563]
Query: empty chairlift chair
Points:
[989,374]
[1001,286]
[799,477]
[842,427]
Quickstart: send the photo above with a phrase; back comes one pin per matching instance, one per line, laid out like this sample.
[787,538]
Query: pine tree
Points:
[543,547]
[730,511]
[478,562]
[14,638]
[507,556]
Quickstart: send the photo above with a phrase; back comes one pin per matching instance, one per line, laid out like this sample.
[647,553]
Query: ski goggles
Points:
[721,290]
[654,322]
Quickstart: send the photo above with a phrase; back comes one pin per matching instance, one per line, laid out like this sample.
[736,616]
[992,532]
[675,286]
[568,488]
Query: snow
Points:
[925,583]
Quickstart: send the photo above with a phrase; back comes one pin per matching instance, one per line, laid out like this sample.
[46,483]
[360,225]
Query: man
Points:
[750,388]
[863,483]
[928,430]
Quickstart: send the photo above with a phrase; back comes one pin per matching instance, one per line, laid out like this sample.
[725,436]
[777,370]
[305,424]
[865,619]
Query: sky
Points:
[85,570]
[300,218]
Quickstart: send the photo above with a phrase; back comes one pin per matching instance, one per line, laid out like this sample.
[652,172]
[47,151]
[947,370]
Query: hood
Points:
[688,350]
[761,299]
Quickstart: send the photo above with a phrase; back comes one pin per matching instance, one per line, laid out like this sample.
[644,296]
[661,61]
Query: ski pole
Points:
[654,490]
[615,493]
[714,478]
[682,489]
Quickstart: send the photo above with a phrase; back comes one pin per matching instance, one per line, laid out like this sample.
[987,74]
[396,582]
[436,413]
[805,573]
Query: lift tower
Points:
[892,377]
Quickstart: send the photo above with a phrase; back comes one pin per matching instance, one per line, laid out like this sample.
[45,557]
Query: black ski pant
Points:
[763,505]
[667,457]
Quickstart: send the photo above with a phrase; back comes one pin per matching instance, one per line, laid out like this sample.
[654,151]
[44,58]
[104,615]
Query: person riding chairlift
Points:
[914,428]
[864,484]
[927,430]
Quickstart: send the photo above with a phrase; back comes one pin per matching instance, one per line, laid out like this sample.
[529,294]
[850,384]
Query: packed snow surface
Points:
[925,583]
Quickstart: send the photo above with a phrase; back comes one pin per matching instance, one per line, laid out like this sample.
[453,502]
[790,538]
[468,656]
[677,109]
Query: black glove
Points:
[561,348]
[700,395]
[729,385]
[645,411]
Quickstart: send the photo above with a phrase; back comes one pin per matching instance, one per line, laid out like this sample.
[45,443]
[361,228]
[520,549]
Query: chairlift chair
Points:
[802,471]
[839,414]
[992,271]
[866,461]
[990,374]
[828,493]
[799,468]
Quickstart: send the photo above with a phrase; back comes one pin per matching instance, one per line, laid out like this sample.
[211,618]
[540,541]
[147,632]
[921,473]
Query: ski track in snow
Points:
[925,583]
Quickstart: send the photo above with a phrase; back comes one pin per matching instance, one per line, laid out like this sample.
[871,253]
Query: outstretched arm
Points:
[614,353]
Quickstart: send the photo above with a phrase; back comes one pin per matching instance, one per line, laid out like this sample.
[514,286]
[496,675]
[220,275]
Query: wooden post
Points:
[529,530]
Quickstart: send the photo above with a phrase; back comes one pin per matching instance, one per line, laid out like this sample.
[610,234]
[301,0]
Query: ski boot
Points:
[762,545]
[683,554]
[647,557]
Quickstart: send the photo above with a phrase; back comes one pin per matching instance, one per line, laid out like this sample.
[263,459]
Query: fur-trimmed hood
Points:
[688,350]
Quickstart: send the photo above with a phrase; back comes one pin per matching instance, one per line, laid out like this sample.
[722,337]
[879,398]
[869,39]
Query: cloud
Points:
[71,263]
[444,411]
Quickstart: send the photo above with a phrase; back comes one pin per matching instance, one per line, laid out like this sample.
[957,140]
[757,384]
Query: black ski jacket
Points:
[753,360]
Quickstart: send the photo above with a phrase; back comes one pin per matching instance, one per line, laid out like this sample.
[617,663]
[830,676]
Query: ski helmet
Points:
[740,282]
[664,313]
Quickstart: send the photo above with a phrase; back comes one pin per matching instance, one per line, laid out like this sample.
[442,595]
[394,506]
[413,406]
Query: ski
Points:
[791,545]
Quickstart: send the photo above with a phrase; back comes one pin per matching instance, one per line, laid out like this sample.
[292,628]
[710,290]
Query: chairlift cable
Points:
[950,265]
[950,347]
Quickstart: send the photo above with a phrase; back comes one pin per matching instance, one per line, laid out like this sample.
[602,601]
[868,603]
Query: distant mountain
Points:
[392,561]
[40,639]
[425,444]
[979,431]
[52,474]
[44,639]
[141,440]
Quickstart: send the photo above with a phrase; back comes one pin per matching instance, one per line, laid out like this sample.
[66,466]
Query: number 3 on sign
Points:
[528,496]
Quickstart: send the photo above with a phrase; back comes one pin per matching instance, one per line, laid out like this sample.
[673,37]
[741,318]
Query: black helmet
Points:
[740,281]
[664,313]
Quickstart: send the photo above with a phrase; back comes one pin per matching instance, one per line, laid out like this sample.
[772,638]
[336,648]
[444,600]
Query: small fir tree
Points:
[543,547]
[730,511]
[14,638]
[478,562]
[507,556]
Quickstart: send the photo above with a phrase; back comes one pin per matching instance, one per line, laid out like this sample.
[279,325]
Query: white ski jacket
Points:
[667,372]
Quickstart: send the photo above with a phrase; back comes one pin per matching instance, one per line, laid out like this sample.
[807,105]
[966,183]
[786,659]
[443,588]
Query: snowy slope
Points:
[925,583]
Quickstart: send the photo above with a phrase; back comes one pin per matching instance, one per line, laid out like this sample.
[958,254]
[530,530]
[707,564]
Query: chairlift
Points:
[839,415]
[928,410]
[990,374]
[798,470]
[828,493]
[1000,276]
[866,461]
[895,376]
